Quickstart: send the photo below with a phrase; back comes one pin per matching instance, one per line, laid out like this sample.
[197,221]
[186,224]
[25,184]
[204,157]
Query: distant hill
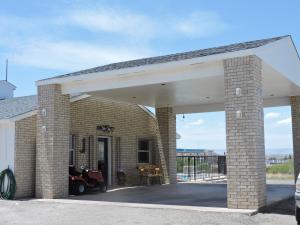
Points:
[272,151]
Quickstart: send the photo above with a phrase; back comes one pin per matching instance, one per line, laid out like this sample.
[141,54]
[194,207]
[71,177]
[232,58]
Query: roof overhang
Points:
[191,85]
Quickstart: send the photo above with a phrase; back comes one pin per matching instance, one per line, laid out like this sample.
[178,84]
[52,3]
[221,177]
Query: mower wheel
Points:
[79,188]
[103,187]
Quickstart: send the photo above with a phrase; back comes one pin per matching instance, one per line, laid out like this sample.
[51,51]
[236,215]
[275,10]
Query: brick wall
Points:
[25,149]
[295,112]
[130,123]
[167,127]
[52,155]
[246,177]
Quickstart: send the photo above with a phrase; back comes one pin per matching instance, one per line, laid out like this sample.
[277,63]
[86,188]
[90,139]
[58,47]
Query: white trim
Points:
[79,97]
[18,117]
[109,157]
[24,115]
[147,111]
[146,68]
[34,112]
[215,107]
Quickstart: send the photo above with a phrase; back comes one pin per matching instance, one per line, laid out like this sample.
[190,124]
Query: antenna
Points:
[6,70]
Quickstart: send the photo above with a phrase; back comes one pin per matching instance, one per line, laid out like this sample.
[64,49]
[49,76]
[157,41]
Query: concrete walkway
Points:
[182,194]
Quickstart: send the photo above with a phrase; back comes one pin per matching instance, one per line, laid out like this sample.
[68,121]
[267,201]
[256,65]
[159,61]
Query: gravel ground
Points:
[45,213]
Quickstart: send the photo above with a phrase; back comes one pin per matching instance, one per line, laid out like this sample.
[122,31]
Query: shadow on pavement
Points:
[284,207]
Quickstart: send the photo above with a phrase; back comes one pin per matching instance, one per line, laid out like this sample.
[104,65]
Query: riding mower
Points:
[79,182]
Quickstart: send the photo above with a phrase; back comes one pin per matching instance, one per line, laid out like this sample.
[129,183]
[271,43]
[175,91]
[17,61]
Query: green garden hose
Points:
[7,185]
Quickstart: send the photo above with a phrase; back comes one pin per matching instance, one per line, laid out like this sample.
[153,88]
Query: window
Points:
[144,151]
[72,141]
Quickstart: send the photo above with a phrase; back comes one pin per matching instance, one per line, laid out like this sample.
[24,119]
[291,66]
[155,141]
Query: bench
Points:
[149,172]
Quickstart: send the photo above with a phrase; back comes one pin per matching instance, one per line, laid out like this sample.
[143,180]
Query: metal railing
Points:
[200,167]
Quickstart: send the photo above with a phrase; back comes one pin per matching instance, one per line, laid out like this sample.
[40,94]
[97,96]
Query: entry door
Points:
[103,157]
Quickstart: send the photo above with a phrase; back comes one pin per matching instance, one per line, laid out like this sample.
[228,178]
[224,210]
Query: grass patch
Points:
[284,168]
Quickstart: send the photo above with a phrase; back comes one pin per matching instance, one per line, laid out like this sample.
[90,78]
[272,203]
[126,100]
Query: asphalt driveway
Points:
[77,213]
[184,194]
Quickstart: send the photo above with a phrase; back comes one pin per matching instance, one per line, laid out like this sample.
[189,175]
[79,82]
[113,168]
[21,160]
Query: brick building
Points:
[77,116]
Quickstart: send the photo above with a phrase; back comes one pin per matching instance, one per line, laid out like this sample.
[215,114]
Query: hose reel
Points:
[7,184]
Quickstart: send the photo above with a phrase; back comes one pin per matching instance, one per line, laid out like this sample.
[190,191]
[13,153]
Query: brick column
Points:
[295,111]
[53,122]
[246,170]
[167,127]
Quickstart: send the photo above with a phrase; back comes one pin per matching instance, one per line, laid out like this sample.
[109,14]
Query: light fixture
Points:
[239,114]
[44,129]
[44,112]
[105,128]
[238,91]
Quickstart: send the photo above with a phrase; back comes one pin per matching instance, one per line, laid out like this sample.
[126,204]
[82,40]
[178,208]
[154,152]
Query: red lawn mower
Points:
[79,182]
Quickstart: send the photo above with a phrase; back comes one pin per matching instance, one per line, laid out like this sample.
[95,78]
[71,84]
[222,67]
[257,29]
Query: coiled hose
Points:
[7,185]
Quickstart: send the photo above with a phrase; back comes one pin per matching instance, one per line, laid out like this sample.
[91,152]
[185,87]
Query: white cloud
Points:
[272,115]
[286,121]
[110,20]
[67,55]
[201,24]
[197,24]
[198,122]
[62,42]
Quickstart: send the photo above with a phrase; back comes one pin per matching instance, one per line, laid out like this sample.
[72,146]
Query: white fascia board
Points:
[34,112]
[108,83]
[276,102]
[215,107]
[186,109]
[79,97]
[147,111]
[153,68]
[23,116]
[283,57]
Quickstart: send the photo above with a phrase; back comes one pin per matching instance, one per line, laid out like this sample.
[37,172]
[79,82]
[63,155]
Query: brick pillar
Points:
[246,170]
[53,122]
[295,111]
[167,127]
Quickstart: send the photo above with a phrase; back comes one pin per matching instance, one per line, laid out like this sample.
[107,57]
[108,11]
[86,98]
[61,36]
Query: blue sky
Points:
[47,38]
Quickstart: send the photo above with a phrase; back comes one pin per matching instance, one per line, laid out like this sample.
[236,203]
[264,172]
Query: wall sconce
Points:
[44,129]
[238,91]
[239,114]
[44,112]
[105,128]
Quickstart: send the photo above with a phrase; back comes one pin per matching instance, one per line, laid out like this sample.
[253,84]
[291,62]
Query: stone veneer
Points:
[167,127]
[130,123]
[25,149]
[295,112]
[246,179]
[52,154]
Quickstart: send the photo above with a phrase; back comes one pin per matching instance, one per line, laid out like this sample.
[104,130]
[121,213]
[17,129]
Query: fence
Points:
[200,167]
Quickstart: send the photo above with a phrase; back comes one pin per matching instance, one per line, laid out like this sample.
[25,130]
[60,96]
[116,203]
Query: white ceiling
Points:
[207,91]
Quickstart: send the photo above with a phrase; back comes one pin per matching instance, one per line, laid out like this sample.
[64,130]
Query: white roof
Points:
[192,81]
